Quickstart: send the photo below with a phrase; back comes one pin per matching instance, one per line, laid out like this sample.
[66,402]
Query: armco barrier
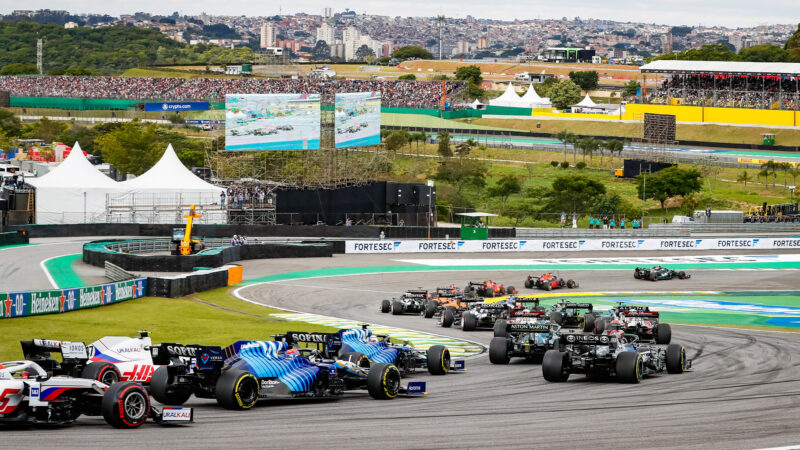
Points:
[567,245]
[96,254]
[33,303]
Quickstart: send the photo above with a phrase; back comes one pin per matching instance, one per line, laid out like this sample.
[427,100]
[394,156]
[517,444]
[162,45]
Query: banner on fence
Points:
[567,245]
[177,106]
[21,304]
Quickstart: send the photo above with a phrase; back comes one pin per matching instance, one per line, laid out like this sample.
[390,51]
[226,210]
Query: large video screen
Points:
[358,119]
[272,122]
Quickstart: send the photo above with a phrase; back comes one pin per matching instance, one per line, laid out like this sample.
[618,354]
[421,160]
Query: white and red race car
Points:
[28,394]
[638,320]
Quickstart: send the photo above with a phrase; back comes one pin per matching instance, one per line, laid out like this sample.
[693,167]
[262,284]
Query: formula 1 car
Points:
[362,346]
[548,282]
[611,355]
[656,273]
[449,298]
[488,288]
[523,339]
[245,372]
[411,302]
[522,309]
[28,394]
[482,315]
[573,315]
[638,320]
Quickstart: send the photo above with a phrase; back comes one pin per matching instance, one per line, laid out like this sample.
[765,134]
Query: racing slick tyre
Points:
[125,405]
[637,274]
[101,371]
[237,389]
[383,381]
[629,367]
[547,286]
[498,351]
[554,366]
[468,322]
[653,276]
[163,393]
[511,290]
[529,284]
[676,358]
[447,318]
[500,328]
[430,309]
[438,360]
[599,326]
[682,275]
[663,333]
[359,359]
[386,306]
[572,284]
[588,322]
[556,317]
[397,308]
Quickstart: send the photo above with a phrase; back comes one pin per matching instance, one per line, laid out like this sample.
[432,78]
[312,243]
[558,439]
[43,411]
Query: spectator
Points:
[21,181]
[708,213]
[222,199]
[611,223]
[348,222]
[605,222]
[574,220]
[401,223]
[622,223]
[563,219]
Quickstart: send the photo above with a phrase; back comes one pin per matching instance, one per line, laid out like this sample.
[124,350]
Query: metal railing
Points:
[556,233]
[768,227]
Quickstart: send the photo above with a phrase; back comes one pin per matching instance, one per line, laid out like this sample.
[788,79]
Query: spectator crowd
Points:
[413,94]
[734,91]
[238,196]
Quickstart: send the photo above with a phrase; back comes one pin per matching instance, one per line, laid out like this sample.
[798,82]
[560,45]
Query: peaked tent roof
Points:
[169,173]
[509,98]
[531,97]
[586,102]
[75,171]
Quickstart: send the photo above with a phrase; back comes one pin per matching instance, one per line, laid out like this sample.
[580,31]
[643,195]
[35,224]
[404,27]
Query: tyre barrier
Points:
[97,253]
[13,238]
[185,284]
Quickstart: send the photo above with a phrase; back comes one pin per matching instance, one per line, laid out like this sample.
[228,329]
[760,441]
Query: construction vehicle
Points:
[781,212]
[619,173]
[182,242]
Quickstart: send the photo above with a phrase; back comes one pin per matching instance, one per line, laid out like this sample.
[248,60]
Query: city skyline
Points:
[727,13]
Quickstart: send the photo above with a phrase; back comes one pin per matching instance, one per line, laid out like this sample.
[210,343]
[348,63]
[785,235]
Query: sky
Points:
[730,13]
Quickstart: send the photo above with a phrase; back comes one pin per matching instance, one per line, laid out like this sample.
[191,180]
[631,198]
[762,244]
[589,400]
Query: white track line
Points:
[47,272]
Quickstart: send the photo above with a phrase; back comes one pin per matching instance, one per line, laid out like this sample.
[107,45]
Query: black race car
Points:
[482,315]
[412,301]
[548,282]
[573,315]
[656,273]
[523,339]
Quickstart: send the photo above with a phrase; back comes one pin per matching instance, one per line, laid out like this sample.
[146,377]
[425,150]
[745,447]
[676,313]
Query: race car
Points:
[448,297]
[411,302]
[638,320]
[573,315]
[28,394]
[620,356]
[656,273]
[245,372]
[522,309]
[548,282]
[523,339]
[479,315]
[488,288]
[362,346]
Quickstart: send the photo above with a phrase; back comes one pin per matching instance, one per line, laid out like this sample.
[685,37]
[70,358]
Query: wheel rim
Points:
[109,377]
[393,383]
[247,391]
[135,406]
[446,360]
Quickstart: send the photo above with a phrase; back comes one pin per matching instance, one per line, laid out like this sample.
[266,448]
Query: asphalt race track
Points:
[744,391]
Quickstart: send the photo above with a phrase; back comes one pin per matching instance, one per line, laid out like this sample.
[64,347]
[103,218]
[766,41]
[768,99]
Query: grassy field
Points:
[708,133]
[217,318]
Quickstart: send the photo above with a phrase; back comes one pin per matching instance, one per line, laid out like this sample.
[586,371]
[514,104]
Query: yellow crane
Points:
[184,245]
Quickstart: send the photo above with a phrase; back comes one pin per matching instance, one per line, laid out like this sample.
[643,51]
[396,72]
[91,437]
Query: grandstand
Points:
[725,84]
[394,93]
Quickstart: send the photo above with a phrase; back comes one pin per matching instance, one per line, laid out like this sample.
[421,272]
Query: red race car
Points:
[488,288]
[548,282]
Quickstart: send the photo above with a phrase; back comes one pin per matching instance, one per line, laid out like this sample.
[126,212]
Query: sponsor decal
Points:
[618,244]
[69,299]
[586,339]
[176,414]
[75,350]
[734,243]
[416,388]
[561,245]
[378,246]
[34,392]
[90,297]
[500,245]
[319,338]
[108,294]
[180,350]
[16,304]
[677,243]
[123,290]
[437,246]
[786,243]
[45,302]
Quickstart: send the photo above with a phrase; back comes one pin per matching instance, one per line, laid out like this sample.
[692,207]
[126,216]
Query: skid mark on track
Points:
[458,348]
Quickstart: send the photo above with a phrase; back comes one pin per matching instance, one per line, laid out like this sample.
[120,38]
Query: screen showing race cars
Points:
[272,122]
[358,119]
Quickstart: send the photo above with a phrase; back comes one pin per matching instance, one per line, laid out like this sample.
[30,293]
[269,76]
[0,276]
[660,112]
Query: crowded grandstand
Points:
[414,94]
[726,84]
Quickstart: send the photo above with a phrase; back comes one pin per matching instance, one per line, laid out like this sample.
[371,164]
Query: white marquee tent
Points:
[73,192]
[532,99]
[587,102]
[509,98]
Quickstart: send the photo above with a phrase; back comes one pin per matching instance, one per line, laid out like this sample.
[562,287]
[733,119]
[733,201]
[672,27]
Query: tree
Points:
[764,53]
[504,188]
[470,73]
[744,177]
[396,139]
[588,146]
[19,69]
[667,183]
[631,88]
[564,94]
[520,209]
[411,52]
[46,129]
[708,52]
[586,79]
[322,51]
[613,146]
[9,123]
[793,45]
[444,144]
[785,167]
[463,148]
[554,164]
[363,52]
[73,71]
[462,173]
[764,173]
[565,137]
[407,77]
[573,193]
[771,167]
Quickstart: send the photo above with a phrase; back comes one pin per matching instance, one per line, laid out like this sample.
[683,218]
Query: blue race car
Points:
[245,372]
[360,346]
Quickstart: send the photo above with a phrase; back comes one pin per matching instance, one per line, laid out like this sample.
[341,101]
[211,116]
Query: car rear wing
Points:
[168,352]
[417,292]
[329,343]
[526,313]
[650,314]
[528,327]
[585,339]
[497,305]
[74,355]
[588,306]
[209,357]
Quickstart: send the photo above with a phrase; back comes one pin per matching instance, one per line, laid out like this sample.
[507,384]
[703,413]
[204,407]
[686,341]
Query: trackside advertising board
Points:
[358,119]
[22,304]
[566,245]
[177,106]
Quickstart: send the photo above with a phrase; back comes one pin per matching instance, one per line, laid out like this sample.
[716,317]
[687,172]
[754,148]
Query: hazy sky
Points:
[732,13]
